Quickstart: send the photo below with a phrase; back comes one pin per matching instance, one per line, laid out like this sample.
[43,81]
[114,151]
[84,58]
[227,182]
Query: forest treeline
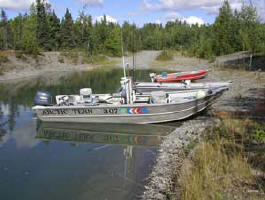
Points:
[41,30]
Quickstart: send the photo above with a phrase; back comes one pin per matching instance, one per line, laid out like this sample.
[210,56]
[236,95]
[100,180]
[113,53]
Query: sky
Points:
[137,11]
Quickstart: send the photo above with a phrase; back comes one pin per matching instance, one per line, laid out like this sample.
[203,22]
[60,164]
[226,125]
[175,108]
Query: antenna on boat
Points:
[134,58]
[123,59]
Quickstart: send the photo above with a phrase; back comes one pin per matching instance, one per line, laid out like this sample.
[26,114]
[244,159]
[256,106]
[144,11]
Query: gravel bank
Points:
[170,159]
[47,63]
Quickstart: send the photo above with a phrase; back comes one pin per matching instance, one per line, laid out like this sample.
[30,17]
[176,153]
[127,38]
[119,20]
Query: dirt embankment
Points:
[19,66]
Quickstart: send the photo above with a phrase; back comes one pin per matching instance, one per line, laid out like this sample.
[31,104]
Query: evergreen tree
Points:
[54,31]
[29,33]
[67,31]
[4,30]
[16,26]
[42,25]
[223,30]
[231,32]
[103,31]
[113,42]
[249,28]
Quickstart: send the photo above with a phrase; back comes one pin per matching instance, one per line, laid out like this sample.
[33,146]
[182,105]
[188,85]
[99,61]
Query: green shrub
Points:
[259,133]
[20,55]
[73,55]
[95,59]
[60,59]
[1,71]
[3,58]
[165,55]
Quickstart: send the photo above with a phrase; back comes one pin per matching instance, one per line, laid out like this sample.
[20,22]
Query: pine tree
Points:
[67,31]
[103,31]
[223,30]
[4,30]
[29,33]
[42,25]
[16,26]
[113,42]
[249,25]
[54,31]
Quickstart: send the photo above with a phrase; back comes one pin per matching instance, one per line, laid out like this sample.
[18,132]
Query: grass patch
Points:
[222,164]
[3,58]
[1,70]
[98,60]
[215,173]
[20,55]
[72,55]
[60,59]
[165,55]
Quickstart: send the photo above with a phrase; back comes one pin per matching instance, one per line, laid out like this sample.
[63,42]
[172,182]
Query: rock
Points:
[170,159]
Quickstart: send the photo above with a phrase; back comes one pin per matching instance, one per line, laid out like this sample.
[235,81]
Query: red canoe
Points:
[181,76]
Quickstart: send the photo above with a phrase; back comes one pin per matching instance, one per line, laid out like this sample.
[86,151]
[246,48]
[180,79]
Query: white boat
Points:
[126,107]
[143,87]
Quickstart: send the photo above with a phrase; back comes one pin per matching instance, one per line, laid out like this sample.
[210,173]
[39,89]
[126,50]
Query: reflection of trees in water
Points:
[101,81]
[13,113]
[22,93]
[2,123]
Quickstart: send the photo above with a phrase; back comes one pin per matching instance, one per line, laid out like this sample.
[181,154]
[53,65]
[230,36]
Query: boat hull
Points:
[173,87]
[129,114]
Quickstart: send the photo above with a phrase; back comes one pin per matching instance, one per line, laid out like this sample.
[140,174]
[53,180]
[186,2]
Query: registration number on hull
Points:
[89,111]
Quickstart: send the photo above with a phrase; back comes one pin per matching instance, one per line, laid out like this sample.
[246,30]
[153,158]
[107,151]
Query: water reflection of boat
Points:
[146,135]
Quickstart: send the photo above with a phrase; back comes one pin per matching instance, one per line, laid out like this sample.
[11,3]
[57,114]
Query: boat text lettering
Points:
[111,111]
[82,111]
[75,111]
[55,112]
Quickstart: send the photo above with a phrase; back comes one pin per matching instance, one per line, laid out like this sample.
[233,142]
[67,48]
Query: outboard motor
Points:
[43,98]
[153,77]
[86,94]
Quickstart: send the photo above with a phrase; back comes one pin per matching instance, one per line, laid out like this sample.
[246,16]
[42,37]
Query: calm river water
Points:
[71,161]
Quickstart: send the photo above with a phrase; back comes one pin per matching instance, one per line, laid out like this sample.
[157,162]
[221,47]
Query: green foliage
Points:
[113,42]
[16,26]
[95,59]
[259,133]
[3,58]
[42,30]
[5,32]
[61,59]
[29,37]
[67,31]
[20,55]
[54,31]
[72,55]
[232,31]
[223,31]
[165,55]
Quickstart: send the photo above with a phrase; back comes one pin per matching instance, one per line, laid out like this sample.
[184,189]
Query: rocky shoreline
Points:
[162,180]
